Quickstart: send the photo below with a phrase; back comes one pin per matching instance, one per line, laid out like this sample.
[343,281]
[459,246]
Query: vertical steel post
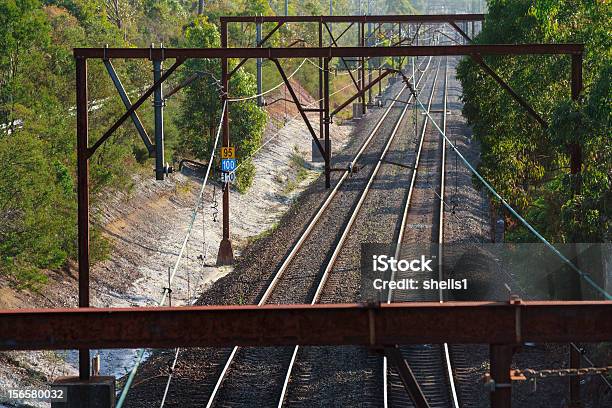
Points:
[575,169]
[225,255]
[378,61]
[258,62]
[369,59]
[326,123]
[501,362]
[362,68]
[321,81]
[331,13]
[158,106]
[83,198]
[574,380]
[575,150]
[399,38]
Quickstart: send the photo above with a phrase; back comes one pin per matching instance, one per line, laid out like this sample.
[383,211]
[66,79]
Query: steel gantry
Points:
[504,326]
[321,140]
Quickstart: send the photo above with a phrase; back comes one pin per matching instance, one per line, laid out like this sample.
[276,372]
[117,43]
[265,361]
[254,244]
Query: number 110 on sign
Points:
[228,177]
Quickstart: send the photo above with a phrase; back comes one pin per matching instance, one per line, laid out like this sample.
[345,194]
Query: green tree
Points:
[201,106]
[36,209]
[22,29]
[528,164]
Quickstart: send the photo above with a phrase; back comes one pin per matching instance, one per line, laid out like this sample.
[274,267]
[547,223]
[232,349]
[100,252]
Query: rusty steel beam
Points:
[331,52]
[362,91]
[127,103]
[501,362]
[326,123]
[407,376]
[331,36]
[328,324]
[343,32]
[259,44]
[225,255]
[532,112]
[321,87]
[390,18]
[298,105]
[137,104]
[362,69]
[574,381]
[478,59]
[460,31]
[83,198]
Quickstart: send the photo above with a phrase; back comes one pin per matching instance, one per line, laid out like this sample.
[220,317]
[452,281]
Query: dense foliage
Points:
[527,163]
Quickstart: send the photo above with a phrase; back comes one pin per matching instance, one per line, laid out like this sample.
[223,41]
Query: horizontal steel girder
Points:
[329,52]
[387,18]
[329,324]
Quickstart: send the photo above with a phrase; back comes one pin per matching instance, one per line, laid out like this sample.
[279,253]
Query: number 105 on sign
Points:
[228,177]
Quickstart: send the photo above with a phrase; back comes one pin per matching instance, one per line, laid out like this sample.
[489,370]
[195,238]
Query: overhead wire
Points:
[246,98]
[140,356]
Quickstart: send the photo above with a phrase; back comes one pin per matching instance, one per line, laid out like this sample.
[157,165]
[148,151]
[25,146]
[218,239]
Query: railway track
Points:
[283,376]
[422,222]
[295,280]
[329,274]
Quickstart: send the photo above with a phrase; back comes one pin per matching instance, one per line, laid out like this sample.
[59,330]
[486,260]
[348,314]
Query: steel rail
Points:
[347,228]
[297,246]
[403,221]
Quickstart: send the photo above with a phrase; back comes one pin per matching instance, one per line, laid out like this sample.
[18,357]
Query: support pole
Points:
[362,68]
[83,198]
[501,362]
[128,104]
[225,255]
[158,106]
[259,63]
[575,149]
[326,120]
[320,97]
[369,59]
[407,376]
[575,169]
[574,381]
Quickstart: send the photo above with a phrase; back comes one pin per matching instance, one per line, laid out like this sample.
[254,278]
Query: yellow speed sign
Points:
[228,153]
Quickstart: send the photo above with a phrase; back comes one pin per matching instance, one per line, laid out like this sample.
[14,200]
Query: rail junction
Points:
[410,343]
